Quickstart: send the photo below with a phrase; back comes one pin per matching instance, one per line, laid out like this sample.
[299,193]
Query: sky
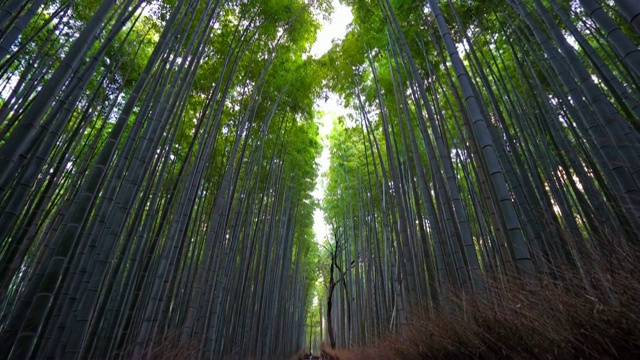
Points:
[334,29]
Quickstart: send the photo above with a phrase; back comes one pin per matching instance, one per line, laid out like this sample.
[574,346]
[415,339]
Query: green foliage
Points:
[172,198]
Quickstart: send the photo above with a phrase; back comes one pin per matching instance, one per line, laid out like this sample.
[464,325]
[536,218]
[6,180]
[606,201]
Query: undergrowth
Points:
[592,314]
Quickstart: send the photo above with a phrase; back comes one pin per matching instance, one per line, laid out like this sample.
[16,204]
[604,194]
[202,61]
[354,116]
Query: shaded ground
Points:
[527,319]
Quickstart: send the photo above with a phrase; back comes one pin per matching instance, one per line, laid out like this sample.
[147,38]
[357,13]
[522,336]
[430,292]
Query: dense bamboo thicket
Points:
[492,150]
[546,319]
[157,159]
[156,165]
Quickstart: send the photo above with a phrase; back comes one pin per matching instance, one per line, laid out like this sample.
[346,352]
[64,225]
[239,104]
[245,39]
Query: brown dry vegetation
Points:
[525,319]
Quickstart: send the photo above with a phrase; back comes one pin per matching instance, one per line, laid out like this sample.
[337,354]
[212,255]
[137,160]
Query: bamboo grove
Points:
[488,141]
[157,160]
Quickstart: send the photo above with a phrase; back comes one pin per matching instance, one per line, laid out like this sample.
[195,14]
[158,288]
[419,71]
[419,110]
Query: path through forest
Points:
[158,160]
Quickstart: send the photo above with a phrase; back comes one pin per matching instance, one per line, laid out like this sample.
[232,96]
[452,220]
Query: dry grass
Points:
[523,319]
[528,319]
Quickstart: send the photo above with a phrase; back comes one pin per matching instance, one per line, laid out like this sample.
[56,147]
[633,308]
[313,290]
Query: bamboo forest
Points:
[160,162]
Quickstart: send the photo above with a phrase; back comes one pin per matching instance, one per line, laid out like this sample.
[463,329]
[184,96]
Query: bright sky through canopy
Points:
[333,30]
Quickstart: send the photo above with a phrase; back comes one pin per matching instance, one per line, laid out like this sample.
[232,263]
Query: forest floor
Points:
[591,315]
